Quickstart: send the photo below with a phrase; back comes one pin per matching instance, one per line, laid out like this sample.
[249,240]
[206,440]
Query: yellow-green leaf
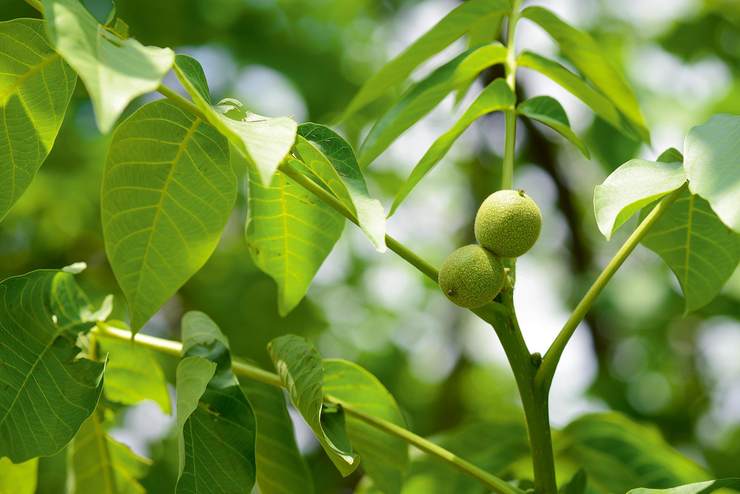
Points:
[168,190]
[35,88]
[114,70]
[289,232]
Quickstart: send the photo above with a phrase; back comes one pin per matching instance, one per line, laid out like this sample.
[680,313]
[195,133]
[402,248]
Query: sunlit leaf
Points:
[618,454]
[46,391]
[133,374]
[18,478]
[581,49]
[442,34]
[383,457]
[300,369]
[550,112]
[695,488]
[712,163]
[496,97]
[290,232]
[215,422]
[578,88]
[333,162]
[630,188]
[35,88]
[280,466]
[102,464]
[700,250]
[423,96]
[168,189]
[114,70]
[263,141]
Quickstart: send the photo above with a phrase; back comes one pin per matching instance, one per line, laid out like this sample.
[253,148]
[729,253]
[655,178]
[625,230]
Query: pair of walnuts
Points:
[507,224]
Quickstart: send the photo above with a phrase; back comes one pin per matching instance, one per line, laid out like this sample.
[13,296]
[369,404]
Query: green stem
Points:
[552,357]
[242,369]
[507,173]
[534,403]
[328,198]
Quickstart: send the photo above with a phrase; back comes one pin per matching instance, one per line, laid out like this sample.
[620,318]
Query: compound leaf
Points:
[578,88]
[46,391]
[114,70]
[581,49]
[264,142]
[300,369]
[495,97]
[384,457]
[280,466]
[289,233]
[333,162]
[549,111]
[630,188]
[712,164]
[451,27]
[168,189]
[424,95]
[215,422]
[35,88]
[700,250]
[102,464]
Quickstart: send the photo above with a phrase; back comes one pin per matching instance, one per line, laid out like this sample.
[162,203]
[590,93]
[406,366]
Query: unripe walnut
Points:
[471,276]
[508,223]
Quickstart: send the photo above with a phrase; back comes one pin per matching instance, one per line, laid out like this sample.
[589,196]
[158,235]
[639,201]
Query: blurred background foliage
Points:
[637,352]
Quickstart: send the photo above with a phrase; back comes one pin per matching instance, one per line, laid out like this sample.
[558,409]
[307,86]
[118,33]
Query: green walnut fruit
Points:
[508,223]
[471,276]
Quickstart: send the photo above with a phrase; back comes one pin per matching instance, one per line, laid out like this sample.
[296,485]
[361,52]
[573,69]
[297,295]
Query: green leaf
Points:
[300,369]
[168,190]
[618,454]
[576,485]
[700,250]
[442,34]
[215,422]
[550,112]
[581,49]
[280,466]
[192,74]
[630,188]
[696,488]
[46,390]
[114,70]
[424,95]
[495,97]
[289,234]
[35,88]
[384,457]
[18,478]
[578,88]
[133,374]
[264,142]
[712,163]
[333,162]
[103,465]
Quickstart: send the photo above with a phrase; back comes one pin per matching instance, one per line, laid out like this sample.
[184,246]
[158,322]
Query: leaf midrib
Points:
[175,161]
